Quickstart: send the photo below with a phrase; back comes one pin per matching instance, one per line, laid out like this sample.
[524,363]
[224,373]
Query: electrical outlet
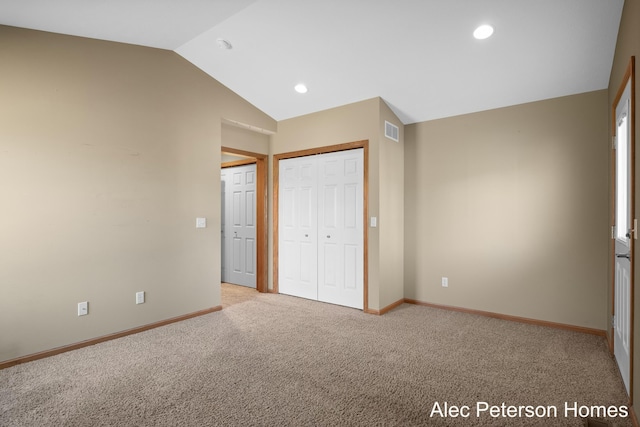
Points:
[83,308]
[140,297]
[445,282]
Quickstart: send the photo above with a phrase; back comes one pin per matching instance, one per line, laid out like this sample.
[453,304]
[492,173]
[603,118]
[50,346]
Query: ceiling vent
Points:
[391,131]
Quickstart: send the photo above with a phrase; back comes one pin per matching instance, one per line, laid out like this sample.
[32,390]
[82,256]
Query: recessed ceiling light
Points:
[301,88]
[224,44]
[483,32]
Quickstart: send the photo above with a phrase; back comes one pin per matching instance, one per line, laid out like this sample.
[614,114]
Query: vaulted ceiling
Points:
[417,55]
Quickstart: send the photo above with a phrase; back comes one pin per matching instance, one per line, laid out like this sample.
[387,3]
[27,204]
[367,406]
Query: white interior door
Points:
[340,228]
[297,227]
[223,225]
[321,236]
[623,237]
[239,233]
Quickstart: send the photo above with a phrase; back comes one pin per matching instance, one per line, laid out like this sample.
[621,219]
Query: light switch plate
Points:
[374,222]
[83,308]
[201,222]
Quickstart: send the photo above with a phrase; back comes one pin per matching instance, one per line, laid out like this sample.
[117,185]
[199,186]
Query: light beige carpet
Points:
[235,294]
[276,360]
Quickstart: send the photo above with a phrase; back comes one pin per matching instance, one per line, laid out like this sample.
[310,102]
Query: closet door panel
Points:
[340,223]
[297,218]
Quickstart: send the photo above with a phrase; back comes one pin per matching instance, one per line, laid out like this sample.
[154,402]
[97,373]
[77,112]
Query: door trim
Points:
[261,210]
[365,235]
[628,76]
[238,163]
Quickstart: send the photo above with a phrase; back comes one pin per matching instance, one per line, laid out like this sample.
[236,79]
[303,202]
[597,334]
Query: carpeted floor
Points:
[235,294]
[275,360]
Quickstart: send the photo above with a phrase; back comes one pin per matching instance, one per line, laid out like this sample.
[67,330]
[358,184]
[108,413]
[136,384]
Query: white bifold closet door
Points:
[321,233]
[298,227]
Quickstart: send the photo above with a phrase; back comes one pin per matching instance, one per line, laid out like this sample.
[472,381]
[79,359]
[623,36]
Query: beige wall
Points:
[349,123]
[245,139]
[628,45]
[226,158]
[511,206]
[108,153]
[391,217]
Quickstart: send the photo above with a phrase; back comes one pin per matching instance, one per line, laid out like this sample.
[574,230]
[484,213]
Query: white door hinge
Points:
[613,231]
[613,321]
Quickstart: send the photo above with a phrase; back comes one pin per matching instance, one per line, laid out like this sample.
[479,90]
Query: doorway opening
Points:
[237,158]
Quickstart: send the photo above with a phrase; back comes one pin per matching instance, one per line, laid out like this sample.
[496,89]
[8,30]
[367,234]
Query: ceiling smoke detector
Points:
[224,44]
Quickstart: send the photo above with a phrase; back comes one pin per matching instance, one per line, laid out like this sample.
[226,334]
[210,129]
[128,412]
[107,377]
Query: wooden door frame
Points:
[261,209]
[365,206]
[628,76]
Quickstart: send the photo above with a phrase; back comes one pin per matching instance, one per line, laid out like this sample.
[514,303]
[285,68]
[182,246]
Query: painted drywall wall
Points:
[391,220]
[511,206]
[244,139]
[226,158]
[349,123]
[628,45]
[108,153]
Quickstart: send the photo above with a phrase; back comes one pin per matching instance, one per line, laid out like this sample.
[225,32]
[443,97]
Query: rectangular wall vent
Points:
[391,131]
